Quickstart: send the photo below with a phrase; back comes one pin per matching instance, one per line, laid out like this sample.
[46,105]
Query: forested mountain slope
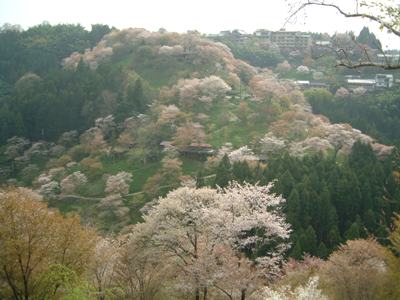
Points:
[136,115]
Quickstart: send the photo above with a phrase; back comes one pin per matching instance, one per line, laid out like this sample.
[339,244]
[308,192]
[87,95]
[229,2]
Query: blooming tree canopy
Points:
[119,183]
[191,224]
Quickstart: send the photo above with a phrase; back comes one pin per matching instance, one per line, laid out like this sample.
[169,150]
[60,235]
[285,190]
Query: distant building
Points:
[383,80]
[320,85]
[199,150]
[225,33]
[262,33]
[323,43]
[368,84]
[291,40]
[287,40]
[304,84]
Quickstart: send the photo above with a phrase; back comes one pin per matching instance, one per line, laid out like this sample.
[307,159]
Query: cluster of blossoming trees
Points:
[200,235]
[192,244]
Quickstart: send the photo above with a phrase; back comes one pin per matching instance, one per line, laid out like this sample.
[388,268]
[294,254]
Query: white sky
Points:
[206,16]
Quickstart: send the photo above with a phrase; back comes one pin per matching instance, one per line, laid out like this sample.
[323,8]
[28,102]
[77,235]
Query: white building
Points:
[368,84]
[384,80]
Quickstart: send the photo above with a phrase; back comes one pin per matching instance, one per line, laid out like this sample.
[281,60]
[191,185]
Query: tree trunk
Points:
[205,293]
[11,284]
[197,294]
[243,296]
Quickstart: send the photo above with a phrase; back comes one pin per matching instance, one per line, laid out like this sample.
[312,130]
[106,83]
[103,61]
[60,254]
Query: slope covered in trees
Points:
[376,114]
[328,201]
[107,130]
[195,243]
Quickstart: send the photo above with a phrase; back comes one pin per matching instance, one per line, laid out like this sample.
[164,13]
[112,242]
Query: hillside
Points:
[160,165]
[135,116]
[170,97]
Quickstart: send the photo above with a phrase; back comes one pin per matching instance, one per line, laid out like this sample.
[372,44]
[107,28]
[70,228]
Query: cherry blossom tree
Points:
[246,207]
[169,114]
[171,50]
[308,292]
[70,183]
[178,225]
[214,87]
[206,90]
[266,86]
[242,154]
[92,165]
[93,140]
[50,190]
[283,67]
[189,133]
[141,269]
[357,270]
[119,183]
[342,92]
[106,125]
[125,140]
[91,57]
[16,146]
[271,144]
[103,267]
[112,206]
[190,224]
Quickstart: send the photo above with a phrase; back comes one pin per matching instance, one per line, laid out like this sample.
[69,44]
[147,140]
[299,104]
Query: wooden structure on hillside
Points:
[199,150]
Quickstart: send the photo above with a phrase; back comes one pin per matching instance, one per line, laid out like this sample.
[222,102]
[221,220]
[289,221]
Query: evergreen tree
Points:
[334,238]
[297,251]
[97,33]
[368,38]
[309,241]
[241,171]
[353,232]
[325,213]
[285,183]
[223,174]
[137,97]
[370,221]
[133,102]
[293,209]
[322,251]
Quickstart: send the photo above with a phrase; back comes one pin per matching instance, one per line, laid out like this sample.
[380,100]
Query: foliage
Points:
[188,224]
[103,268]
[70,183]
[119,183]
[39,246]
[385,14]
[141,269]
[368,38]
[328,199]
[253,51]
[307,292]
[357,270]
[375,114]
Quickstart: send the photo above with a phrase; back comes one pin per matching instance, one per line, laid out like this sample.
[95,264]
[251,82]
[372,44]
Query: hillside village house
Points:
[287,40]
[380,81]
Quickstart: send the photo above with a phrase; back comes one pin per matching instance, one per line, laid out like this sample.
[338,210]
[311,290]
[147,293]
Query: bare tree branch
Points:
[371,17]
[342,53]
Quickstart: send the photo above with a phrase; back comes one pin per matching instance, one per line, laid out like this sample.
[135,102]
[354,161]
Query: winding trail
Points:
[64,197]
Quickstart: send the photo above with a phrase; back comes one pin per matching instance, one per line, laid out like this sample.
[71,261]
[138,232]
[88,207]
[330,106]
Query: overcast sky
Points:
[207,16]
